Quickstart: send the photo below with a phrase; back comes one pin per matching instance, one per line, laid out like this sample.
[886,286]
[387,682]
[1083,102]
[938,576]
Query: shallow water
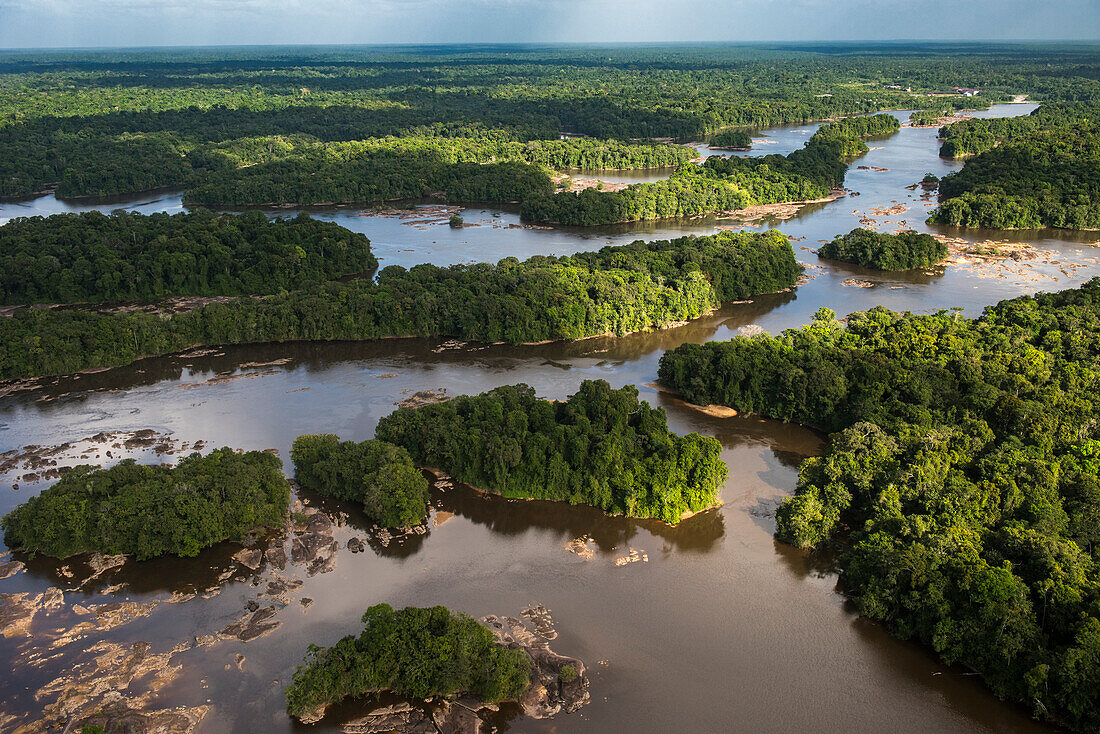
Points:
[721,629]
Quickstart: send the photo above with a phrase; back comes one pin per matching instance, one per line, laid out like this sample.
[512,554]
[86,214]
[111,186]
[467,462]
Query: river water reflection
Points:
[721,629]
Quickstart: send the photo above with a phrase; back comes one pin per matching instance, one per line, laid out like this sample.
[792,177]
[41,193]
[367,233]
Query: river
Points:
[722,628]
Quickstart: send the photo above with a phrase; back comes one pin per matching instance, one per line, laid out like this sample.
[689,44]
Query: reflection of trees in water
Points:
[165,574]
[515,517]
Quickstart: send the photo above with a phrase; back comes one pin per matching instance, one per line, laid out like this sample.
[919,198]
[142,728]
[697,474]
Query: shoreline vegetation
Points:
[959,482]
[600,447]
[616,290]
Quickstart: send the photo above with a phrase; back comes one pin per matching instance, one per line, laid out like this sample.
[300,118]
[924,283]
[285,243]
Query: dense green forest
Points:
[600,447]
[731,140]
[104,123]
[414,652]
[278,170]
[1042,170]
[881,251]
[92,257]
[616,290]
[962,477]
[722,183]
[378,475]
[148,511]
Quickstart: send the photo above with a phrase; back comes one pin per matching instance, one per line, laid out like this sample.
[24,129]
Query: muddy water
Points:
[721,629]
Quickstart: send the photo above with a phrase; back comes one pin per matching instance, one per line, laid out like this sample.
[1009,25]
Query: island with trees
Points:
[616,290]
[149,511]
[93,257]
[414,652]
[882,251]
[600,447]
[378,475]
[960,484]
[731,140]
[722,184]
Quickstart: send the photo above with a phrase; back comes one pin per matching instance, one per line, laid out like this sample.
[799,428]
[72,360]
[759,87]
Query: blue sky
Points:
[38,23]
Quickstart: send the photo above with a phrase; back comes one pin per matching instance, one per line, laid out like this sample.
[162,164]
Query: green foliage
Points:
[965,467]
[1043,172]
[731,140]
[414,652]
[902,251]
[567,674]
[601,447]
[70,258]
[455,221]
[616,290]
[148,511]
[721,183]
[379,475]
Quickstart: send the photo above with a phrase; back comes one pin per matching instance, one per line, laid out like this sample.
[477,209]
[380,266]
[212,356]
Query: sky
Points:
[84,23]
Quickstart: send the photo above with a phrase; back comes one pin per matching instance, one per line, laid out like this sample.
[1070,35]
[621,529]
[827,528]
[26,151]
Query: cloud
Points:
[26,23]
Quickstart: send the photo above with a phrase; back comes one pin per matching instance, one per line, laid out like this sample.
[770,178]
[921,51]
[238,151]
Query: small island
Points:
[880,251]
[149,511]
[731,140]
[600,447]
[433,655]
[376,474]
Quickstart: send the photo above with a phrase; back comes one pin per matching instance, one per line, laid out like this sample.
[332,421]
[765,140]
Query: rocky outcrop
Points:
[558,683]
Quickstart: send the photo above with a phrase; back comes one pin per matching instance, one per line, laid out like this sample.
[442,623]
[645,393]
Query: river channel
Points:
[721,628]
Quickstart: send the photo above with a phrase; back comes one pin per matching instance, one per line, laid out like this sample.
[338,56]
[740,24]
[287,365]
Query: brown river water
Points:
[721,628]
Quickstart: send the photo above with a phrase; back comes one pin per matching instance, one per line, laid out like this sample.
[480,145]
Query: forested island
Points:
[721,184]
[93,257]
[882,251]
[600,447]
[149,511]
[731,140]
[616,290]
[1042,170]
[378,475]
[961,483]
[414,652]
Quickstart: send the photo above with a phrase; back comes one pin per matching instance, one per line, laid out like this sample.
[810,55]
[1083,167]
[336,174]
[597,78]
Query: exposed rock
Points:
[253,625]
[424,397]
[249,557]
[750,330]
[356,545]
[17,612]
[634,556]
[581,547]
[94,693]
[314,547]
[9,569]
[279,588]
[400,717]
[457,718]
[276,554]
[100,564]
[107,617]
[548,694]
